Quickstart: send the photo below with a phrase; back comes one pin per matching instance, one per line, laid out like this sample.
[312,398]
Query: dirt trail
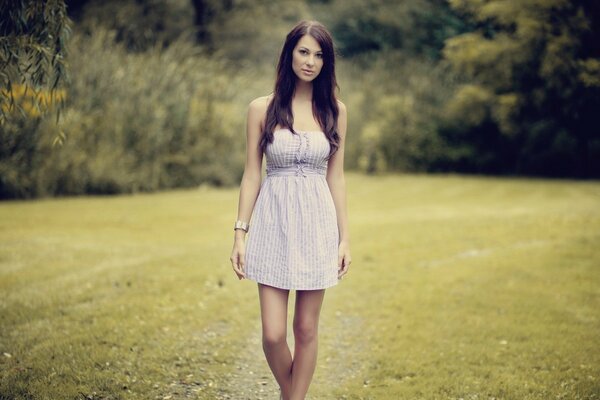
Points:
[251,378]
[345,346]
[341,355]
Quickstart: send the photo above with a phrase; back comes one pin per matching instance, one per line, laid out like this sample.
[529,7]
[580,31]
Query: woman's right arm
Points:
[251,180]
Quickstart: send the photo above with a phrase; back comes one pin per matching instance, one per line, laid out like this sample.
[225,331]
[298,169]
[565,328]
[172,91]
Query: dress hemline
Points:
[264,282]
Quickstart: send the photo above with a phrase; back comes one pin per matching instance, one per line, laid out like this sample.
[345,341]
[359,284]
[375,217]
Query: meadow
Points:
[461,287]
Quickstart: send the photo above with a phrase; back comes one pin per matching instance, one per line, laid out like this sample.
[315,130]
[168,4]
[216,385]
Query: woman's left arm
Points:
[337,186]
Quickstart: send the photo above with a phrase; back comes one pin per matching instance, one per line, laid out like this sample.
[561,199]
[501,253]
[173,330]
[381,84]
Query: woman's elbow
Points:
[251,177]
[336,179]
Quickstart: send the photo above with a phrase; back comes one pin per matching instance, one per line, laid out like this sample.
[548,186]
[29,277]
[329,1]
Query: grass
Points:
[460,288]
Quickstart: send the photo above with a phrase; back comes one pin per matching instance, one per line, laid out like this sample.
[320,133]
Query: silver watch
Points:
[241,225]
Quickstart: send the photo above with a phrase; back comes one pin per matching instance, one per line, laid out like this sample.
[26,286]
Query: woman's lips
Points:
[308,72]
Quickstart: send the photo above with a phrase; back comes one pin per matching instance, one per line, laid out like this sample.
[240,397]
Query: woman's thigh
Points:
[273,309]
[307,310]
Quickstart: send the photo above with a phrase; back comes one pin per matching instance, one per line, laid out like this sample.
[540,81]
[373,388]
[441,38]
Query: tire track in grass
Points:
[344,356]
[341,349]
[231,366]
[250,378]
[246,375]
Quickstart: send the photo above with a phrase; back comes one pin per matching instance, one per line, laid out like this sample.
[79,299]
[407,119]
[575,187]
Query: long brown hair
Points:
[324,101]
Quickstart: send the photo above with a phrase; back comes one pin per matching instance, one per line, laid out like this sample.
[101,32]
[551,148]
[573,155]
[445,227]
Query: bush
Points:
[164,118]
[395,104]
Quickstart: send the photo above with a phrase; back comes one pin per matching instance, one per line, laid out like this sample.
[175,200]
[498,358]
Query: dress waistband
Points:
[298,170]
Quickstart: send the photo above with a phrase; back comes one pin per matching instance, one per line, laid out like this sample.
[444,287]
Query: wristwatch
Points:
[241,225]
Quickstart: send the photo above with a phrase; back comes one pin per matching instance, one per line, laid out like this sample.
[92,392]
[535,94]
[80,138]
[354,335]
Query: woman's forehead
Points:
[309,42]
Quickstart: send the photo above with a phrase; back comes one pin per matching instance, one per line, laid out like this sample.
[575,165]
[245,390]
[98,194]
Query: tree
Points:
[32,52]
[535,68]
[417,27]
[204,13]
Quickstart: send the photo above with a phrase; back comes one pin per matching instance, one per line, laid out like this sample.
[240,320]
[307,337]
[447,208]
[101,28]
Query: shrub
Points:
[168,117]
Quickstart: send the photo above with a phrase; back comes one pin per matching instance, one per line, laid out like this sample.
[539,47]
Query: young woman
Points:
[298,237]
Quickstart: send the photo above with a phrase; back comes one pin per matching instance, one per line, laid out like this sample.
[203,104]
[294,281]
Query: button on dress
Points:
[293,239]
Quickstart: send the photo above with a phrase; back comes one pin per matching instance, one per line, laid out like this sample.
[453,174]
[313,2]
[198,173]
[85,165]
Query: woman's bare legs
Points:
[273,308]
[306,323]
[293,376]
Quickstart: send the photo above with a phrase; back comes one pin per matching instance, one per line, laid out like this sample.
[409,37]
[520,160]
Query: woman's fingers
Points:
[346,260]
[238,271]
[242,264]
[237,260]
[238,265]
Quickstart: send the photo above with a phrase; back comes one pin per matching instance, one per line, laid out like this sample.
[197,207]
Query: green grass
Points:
[460,287]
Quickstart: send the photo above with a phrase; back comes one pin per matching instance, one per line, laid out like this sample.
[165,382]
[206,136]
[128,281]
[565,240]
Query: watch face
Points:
[241,225]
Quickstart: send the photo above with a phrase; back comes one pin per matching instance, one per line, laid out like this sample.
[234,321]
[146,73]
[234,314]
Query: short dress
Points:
[293,239]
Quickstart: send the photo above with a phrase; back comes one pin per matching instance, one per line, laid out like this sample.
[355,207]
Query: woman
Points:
[298,238]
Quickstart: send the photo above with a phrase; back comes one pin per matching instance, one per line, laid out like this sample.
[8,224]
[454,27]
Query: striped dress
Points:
[293,239]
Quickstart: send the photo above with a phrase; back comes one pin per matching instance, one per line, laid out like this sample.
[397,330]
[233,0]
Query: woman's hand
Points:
[237,258]
[344,259]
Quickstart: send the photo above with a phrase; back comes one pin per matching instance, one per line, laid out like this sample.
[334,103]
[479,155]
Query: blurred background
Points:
[473,158]
[102,97]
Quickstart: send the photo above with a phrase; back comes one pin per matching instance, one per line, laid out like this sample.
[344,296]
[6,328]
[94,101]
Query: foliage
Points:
[151,107]
[252,33]
[19,151]
[138,25]
[534,81]
[415,27]
[134,122]
[395,102]
[33,37]
[30,103]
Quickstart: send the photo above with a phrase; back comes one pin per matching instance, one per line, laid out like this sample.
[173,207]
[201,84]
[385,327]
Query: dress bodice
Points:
[301,154]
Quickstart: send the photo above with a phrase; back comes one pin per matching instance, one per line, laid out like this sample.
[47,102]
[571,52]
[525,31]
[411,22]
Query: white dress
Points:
[293,239]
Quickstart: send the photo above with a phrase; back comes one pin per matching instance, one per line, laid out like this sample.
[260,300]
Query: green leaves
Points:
[32,50]
[534,61]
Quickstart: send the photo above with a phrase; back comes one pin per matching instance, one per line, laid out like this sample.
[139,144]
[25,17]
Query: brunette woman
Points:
[298,237]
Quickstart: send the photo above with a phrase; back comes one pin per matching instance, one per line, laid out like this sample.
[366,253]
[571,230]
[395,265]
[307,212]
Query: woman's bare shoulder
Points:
[257,109]
[261,103]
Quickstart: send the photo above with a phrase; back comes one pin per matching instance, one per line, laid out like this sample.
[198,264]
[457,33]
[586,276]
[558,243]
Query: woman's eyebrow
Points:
[305,48]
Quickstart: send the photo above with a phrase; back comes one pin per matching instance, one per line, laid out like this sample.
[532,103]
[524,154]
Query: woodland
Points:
[102,97]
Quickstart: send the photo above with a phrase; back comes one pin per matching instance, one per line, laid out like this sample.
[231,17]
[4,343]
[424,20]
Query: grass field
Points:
[460,288]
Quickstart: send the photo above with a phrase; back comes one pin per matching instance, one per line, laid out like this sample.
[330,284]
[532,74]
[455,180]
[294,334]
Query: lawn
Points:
[460,288]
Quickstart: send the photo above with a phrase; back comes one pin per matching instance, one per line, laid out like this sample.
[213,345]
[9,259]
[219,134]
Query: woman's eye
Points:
[320,55]
[302,51]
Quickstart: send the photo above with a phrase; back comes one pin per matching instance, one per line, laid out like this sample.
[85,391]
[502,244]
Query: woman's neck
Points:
[303,91]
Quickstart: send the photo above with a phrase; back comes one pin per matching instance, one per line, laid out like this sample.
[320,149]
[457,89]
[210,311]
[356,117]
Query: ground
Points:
[460,288]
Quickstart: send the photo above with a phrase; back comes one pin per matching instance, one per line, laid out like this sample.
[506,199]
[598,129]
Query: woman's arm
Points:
[337,186]
[336,180]
[251,180]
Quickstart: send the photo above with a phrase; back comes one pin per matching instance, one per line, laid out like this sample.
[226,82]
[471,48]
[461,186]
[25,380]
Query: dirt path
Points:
[251,378]
[341,355]
[344,346]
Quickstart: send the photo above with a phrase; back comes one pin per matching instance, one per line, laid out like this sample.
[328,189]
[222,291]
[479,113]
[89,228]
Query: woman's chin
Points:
[307,79]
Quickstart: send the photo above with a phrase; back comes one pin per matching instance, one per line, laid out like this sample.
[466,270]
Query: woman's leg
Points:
[306,323]
[273,308]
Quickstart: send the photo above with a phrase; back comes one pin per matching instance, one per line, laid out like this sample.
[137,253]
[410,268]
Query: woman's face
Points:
[307,59]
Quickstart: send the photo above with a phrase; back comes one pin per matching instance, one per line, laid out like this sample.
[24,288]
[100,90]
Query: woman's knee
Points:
[305,330]
[273,337]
